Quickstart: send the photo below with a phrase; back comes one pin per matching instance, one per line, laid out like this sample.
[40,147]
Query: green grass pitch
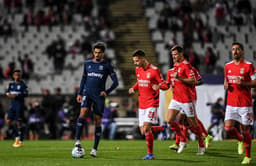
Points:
[58,153]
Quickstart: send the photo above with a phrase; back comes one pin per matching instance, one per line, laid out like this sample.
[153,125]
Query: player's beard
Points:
[237,56]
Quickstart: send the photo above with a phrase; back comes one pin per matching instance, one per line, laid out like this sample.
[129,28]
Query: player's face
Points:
[237,52]
[177,57]
[16,76]
[98,54]
[138,61]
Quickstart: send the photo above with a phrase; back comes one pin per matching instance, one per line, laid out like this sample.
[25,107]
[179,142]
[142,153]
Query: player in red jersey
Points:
[239,78]
[182,117]
[182,79]
[149,80]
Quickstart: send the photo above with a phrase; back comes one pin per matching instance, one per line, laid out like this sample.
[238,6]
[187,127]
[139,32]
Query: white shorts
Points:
[243,115]
[148,115]
[184,108]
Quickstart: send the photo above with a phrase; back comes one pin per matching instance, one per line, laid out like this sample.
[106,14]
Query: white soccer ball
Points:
[78,152]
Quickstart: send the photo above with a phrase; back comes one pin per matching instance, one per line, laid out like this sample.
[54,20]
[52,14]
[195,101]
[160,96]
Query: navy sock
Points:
[21,133]
[79,127]
[97,135]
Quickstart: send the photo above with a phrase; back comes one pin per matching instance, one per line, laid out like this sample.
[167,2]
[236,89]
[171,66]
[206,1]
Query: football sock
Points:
[201,126]
[196,130]
[79,127]
[177,141]
[184,130]
[97,135]
[247,142]
[20,133]
[176,128]
[150,141]
[156,129]
[232,131]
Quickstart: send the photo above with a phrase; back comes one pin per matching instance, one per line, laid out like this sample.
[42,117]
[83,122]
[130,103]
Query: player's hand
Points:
[79,98]
[225,85]
[103,93]
[131,91]
[155,87]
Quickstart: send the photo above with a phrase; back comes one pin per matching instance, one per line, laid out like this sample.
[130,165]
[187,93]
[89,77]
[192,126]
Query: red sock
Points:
[175,127]
[150,141]
[185,132]
[201,126]
[247,142]
[232,131]
[177,142]
[196,130]
[156,129]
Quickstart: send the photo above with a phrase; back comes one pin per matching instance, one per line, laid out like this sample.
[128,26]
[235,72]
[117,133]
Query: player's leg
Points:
[246,114]
[175,146]
[149,140]
[80,124]
[207,137]
[189,109]
[19,123]
[98,109]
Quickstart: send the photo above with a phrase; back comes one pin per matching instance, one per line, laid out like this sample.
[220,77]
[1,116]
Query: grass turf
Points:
[58,153]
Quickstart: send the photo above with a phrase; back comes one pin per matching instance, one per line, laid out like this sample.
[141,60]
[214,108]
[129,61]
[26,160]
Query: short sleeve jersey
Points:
[197,77]
[181,91]
[148,97]
[239,96]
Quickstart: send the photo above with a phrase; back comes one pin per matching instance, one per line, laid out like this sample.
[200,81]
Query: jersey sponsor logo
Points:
[234,79]
[148,75]
[144,83]
[242,71]
[93,74]
[100,67]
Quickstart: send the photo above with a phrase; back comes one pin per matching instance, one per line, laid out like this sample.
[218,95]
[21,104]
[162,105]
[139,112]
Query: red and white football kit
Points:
[148,97]
[239,99]
[182,98]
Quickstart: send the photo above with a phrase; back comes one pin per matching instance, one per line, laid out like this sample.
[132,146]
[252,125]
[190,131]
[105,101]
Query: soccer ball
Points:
[78,152]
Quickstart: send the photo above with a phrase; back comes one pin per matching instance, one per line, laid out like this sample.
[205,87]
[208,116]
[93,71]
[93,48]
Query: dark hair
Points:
[139,53]
[178,48]
[16,70]
[100,45]
[240,45]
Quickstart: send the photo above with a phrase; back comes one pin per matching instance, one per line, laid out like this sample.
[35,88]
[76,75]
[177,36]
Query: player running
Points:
[183,120]
[240,76]
[149,80]
[17,91]
[92,93]
[182,79]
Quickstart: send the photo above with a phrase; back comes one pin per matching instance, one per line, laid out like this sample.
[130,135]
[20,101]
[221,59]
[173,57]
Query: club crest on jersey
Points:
[148,75]
[138,75]
[89,66]
[100,67]
[18,87]
[242,71]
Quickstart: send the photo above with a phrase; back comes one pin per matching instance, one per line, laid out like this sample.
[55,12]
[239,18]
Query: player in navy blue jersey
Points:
[92,92]
[17,91]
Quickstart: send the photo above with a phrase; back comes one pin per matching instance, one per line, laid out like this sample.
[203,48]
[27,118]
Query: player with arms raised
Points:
[239,78]
[17,91]
[92,92]
[149,80]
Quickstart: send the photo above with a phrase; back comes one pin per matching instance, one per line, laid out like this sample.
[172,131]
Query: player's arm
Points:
[8,93]
[133,88]
[251,83]
[191,80]
[114,80]
[82,84]
[161,82]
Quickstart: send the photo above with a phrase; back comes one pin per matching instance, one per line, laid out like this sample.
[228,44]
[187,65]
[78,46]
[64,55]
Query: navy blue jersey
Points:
[19,88]
[95,76]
